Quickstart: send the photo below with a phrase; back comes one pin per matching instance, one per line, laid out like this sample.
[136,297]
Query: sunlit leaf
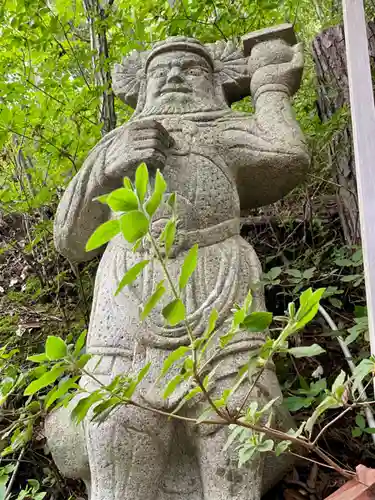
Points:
[141,181]
[60,391]
[122,200]
[169,235]
[45,380]
[174,356]
[131,275]
[55,348]
[257,321]
[153,300]
[83,406]
[80,343]
[172,385]
[174,312]
[103,234]
[134,225]
[306,351]
[188,266]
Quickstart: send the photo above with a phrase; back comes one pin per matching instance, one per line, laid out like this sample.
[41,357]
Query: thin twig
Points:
[188,328]
[8,491]
[362,393]
[331,422]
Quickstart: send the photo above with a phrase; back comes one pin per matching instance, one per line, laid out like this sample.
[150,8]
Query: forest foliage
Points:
[50,117]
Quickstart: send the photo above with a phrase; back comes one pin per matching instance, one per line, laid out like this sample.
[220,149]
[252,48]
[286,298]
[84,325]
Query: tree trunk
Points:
[333,93]
[96,17]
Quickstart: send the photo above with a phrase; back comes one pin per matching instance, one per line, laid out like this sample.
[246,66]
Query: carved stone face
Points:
[180,82]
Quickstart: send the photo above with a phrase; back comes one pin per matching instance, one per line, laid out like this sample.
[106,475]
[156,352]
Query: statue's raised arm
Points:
[267,151]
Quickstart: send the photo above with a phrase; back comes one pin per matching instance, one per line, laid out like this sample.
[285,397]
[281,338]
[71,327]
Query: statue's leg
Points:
[127,454]
[221,476]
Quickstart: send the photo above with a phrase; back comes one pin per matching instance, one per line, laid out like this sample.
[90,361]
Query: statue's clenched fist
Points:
[143,141]
[274,62]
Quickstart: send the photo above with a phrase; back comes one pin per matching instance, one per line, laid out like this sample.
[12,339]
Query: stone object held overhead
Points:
[283,32]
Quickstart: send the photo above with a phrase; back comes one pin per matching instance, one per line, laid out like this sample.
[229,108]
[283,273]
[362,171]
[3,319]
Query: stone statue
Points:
[217,161]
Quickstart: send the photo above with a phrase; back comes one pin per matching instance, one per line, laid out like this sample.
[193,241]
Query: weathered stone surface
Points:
[217,161]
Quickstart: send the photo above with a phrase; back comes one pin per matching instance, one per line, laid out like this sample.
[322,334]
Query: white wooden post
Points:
[363,123]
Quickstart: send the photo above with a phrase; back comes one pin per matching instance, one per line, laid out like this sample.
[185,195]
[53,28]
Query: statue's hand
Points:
[143,141]
[274,62]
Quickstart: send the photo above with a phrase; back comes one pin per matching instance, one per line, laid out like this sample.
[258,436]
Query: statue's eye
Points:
[195,71]
[158,73]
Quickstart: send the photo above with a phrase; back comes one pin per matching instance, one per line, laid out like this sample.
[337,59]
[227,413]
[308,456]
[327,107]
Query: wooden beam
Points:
[363,123]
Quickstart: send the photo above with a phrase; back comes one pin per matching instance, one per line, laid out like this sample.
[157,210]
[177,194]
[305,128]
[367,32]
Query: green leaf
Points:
[257,321]
[309,304]
[268,405]
[306,351]
[141,181]
[169,235]
[204,415]
[295,403]
[265,446]
[174,356]
[83,360]
[291,310]
[309,273]
[104,233]
[188,266]
[245,454]
[153,300]
[236,431]
[273,273]
[172,201]
[102,199]
[356,432]
[248,301]
[134,225]
[172,385]
[83,406]
[55,348]
[143,372]
[135,382]
[282,447]
[60,391]
[360,421]
[365,367]
[211,323]
[350,277]
[38,358]
[328,403]
[338,384]
[160,186]
[80,343]
[128,183]
[369,430]
[174,312]
[123,200]
[153,203]
[104,409]
[131,275]
[190,395]
[294,272]
[47,379]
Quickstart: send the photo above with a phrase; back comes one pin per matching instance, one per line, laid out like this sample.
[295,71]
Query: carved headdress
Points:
[227,61]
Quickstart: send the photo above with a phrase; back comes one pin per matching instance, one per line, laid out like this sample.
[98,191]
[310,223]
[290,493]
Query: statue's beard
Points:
[183,104]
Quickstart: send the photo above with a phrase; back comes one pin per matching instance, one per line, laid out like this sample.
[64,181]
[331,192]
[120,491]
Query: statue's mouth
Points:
[174,88]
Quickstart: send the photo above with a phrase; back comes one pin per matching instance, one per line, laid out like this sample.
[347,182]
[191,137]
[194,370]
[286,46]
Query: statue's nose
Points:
[175,75]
